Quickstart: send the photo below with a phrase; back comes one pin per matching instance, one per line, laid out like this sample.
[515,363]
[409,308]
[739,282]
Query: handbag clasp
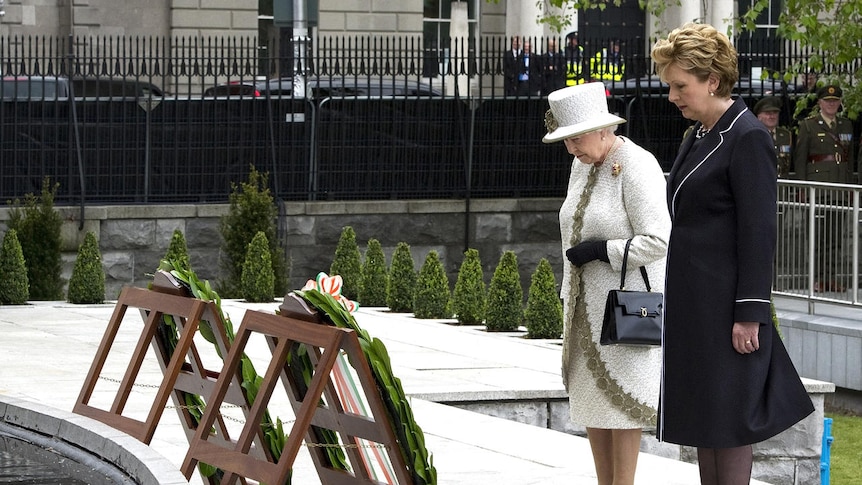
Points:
[644,312]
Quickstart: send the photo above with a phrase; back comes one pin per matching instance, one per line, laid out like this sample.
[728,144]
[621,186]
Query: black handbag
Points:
[632,317]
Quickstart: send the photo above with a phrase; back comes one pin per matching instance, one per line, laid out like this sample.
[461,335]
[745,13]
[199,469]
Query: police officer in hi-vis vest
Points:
[767,110]
[575,61]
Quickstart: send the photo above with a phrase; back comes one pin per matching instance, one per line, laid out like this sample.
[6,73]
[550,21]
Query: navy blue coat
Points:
[722,201]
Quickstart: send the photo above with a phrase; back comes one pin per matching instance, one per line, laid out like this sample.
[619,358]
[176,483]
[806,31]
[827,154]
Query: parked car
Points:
[652,85]
[325,87]
[49,88]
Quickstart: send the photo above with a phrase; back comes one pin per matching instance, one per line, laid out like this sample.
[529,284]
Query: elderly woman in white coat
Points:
[616,193]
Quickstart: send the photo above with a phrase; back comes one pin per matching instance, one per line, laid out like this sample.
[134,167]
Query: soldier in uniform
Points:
[767,110]
[824,153]
[824,147]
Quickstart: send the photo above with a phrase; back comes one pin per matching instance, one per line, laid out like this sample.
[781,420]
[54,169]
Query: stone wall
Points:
[791,458]
[133,239]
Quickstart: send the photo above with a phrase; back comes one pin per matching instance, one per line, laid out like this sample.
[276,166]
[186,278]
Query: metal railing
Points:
[179,120]
[817,255]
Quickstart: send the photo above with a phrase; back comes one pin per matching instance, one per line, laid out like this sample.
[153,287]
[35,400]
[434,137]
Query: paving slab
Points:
[46,349]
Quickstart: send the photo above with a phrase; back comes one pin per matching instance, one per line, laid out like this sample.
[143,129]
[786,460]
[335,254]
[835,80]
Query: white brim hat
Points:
[576,110]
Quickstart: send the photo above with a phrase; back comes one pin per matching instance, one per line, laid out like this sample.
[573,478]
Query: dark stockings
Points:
[725,466]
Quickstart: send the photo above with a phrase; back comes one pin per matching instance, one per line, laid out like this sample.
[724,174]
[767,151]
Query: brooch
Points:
[616,168]
[550,122]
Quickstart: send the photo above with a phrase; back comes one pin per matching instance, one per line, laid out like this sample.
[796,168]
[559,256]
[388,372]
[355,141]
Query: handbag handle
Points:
[623,273]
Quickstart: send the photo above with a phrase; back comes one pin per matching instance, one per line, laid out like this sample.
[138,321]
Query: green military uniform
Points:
[782,139]
[824,153]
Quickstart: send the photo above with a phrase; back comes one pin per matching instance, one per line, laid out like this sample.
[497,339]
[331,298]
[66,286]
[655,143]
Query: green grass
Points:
[846,463]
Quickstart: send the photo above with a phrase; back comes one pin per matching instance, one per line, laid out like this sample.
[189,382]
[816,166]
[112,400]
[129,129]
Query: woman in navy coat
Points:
[727,381]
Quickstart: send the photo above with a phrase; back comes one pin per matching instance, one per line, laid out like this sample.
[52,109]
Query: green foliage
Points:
[505,296]
[468,299]
[178,251]
[432,289]
[402,280]
[38,227]
[252,210]
[348,264]
[409,434]
[14,283]
[374,275]
[543,316]
[87,284]
[831,31]
[846,463]
[258,280]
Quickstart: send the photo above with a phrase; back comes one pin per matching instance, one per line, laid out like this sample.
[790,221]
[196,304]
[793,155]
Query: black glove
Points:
[588,251]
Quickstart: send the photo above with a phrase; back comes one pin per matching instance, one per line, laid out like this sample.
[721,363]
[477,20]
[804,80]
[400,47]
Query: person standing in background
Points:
[510,67]
[824,146]
[576,72]
[767,111]
[529,71]
[553,68]
[727,380]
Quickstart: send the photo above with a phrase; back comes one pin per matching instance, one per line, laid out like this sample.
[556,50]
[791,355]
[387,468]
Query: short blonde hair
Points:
[701,50]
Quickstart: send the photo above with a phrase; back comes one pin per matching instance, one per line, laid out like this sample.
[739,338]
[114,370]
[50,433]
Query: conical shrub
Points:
[505,296]
[38,225]
[543,316]
[178,251]
[432,289]
[252,209]
[14,285]
[258,280]
[348,264]
[402,280]
[87,284]
[372,292]
[469,297]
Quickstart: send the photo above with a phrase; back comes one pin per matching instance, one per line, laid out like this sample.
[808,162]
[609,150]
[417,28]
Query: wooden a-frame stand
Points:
[183,368]
[316,405]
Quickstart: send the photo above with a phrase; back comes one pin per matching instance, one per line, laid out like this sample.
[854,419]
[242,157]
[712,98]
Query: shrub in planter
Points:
[178,251]
[38,227]
[505,295]
[543,316]
[468,299]
[348,264]
[432,289]
[87,284]
[252,210]
[258,280]
[372,291]
[14,284]
[402,280]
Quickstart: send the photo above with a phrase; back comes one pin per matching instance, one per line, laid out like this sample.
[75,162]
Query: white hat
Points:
[576,110]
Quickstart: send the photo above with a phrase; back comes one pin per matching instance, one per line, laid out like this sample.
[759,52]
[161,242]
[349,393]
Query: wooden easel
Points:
[316,405]
[183,368]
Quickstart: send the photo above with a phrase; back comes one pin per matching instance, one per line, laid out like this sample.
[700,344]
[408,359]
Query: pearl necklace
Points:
[701,132]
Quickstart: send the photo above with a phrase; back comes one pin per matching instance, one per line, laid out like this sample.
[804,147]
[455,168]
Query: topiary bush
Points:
[258,280]
[431,299]
[469,298]
[372,291]
[505,296]
[402,280]
[178,251]
[252,210]
[348,264]
[87,284]
[38,227]
[543,316]
[14,285]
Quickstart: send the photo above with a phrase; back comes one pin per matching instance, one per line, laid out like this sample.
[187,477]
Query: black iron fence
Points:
[166,121]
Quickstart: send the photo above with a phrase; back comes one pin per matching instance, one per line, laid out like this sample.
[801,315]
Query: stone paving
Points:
[46,349]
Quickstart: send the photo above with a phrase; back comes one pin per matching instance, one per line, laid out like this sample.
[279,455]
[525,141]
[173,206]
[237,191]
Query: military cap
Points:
[769,103]
[830,91]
